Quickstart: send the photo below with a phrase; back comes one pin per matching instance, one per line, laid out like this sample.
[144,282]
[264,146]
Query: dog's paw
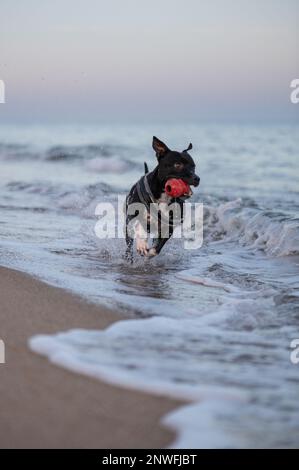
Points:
[152,252]
[128,256]
[142,246]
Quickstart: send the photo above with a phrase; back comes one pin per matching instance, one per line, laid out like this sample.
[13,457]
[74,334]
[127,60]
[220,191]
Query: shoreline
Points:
[45,406]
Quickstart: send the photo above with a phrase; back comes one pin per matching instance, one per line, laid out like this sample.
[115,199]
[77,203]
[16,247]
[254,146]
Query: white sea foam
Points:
[199,428]
[171,356]
[62,350]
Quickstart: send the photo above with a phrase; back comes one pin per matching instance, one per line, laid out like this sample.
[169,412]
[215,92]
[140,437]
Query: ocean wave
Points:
[173,357]
[110,165]
[38,187]
[105,158]
[102,158]
[11,151]
[242,221]
[70,199]
[60,152]
[275,233]
[46,187]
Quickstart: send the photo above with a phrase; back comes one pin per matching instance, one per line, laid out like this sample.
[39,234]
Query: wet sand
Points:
[44,406]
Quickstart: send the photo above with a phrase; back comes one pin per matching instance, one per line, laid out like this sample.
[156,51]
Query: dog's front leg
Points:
[129,241]
[141,240]
[159,242]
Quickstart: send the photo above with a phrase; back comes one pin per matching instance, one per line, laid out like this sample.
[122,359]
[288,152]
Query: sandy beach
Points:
[43,406]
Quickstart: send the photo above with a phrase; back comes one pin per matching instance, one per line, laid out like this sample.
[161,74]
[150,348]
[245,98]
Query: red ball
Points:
[177,188]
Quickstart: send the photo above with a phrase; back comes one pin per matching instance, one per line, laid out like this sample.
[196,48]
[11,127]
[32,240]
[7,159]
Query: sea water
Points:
[212,326]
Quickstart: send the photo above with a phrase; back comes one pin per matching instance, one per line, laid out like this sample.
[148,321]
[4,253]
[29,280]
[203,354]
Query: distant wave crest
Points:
[104,158]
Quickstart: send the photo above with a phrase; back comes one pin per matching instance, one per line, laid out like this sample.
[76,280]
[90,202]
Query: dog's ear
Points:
[159,147]
[190,146]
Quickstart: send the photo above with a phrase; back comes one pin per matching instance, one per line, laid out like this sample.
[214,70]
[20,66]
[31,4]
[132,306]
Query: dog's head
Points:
[174,164]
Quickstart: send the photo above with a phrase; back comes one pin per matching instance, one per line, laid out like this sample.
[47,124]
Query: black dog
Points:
[151,189]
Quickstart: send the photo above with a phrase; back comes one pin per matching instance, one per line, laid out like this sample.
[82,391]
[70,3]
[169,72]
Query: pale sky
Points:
[91,60]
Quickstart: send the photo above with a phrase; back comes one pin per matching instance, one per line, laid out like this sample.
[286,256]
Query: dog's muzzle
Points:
[196,180]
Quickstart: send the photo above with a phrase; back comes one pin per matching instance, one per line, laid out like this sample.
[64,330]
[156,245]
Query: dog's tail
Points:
[145,168]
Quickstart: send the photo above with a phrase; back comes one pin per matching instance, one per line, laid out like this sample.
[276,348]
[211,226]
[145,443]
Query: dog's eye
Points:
[178,166]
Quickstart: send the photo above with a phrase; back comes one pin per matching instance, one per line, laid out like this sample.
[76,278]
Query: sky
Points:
[95,60]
